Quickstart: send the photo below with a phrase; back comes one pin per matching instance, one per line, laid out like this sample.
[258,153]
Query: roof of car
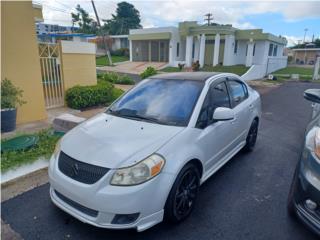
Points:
[199,76]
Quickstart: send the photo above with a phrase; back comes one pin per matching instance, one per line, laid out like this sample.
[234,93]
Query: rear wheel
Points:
[182,197]
[252,136]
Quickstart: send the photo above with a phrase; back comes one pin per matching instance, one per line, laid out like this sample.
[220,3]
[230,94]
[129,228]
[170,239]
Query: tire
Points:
[183,194]
[252,136]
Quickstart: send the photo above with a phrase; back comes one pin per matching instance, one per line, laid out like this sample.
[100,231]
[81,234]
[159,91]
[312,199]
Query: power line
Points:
[208,18]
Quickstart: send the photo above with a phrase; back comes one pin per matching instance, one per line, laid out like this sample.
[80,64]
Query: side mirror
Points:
[223,114]
[312,95]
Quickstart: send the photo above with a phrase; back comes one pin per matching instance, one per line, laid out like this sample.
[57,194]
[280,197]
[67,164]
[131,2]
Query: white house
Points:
[210,45]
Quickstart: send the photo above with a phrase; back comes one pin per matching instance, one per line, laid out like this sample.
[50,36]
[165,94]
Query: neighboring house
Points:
[305,55]
[54,37]
[210,45]
[119,41]
[43,71]
[42,28]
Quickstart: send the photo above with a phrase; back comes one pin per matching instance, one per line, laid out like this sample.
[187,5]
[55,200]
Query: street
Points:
[246,199]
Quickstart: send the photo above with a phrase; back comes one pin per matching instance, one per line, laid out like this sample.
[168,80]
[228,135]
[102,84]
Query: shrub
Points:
[150,71]
[196,66]
[116,93]
[80,97]
[121,52]
[180,66]
[11,96]
[115,78]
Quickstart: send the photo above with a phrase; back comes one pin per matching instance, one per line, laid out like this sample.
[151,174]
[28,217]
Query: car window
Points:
[238,92]
[220,96]
[217,96]
[164,101]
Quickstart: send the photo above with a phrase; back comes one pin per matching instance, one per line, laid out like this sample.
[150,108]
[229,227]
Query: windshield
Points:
[169,102]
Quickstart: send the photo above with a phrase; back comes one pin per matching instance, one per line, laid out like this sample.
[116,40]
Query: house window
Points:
[178,49]
[193,47]
[254,49]
[247,50]
[235,47]
[270,49]
[275,50]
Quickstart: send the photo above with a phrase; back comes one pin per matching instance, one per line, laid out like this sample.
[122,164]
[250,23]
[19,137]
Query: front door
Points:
[208,56]
[216,137]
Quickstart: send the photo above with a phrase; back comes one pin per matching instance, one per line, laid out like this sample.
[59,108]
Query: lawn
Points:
[237,69]
[102,61]
[295,70]
[44,148]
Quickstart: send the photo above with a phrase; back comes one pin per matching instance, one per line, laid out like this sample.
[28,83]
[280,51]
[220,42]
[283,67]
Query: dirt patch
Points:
[263,87]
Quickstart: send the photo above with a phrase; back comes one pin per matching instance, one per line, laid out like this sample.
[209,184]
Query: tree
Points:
[127,17]
[85,22]
[316,44]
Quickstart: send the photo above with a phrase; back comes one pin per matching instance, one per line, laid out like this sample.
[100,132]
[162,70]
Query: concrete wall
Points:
[78,63]
[20,58]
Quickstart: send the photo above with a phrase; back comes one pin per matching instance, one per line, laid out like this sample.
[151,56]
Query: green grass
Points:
[236,69]
[102,61]
[44,148]
[171,69]
[295,70]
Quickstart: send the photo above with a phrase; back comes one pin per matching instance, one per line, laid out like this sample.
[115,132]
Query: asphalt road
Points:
[246,199]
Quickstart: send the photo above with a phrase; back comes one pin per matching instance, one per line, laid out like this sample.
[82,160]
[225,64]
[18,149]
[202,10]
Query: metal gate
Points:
[52,81]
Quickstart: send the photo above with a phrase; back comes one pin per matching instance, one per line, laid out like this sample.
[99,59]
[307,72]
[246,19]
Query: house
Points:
[305,55]
[42,28]
[42,70]
[210,45]
[114,42]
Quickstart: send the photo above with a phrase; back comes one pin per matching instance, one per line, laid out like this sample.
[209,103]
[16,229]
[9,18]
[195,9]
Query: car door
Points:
[215,137]
[242,109]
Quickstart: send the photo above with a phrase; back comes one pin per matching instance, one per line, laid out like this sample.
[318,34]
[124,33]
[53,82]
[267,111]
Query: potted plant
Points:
[11,98]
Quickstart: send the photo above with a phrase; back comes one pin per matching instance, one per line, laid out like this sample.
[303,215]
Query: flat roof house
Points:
[210,45]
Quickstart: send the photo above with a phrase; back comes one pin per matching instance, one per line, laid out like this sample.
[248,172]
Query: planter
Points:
[8,119]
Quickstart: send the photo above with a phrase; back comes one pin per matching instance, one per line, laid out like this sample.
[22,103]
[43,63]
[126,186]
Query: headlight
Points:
[313,141]
[57,150]
[140,172]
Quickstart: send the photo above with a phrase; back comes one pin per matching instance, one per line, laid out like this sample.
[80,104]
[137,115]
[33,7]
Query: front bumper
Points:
[307,187]
[107,201]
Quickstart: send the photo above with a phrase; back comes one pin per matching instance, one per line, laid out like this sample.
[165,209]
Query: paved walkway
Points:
[132,67]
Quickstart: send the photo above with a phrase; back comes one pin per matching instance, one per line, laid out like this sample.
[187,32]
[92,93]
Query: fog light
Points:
[311,205]
[125,218]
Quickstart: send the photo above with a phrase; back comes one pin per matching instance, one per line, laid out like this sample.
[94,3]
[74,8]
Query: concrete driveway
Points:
[246,199]
[132,67]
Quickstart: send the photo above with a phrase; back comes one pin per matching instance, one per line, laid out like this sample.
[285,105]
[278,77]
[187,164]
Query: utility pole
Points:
[305,45]
[208,18]
[103,34]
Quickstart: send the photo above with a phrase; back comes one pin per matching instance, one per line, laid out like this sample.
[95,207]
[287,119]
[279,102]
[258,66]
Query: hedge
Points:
[150,71]
[80,97]
[115,78]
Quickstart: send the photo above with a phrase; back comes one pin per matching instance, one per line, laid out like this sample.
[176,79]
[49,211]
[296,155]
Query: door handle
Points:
[233,121]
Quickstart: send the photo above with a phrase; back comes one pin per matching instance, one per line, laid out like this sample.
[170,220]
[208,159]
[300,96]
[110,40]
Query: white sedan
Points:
[144,159]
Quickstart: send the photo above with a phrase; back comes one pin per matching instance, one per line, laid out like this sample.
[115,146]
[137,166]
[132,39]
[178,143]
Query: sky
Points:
[286,18]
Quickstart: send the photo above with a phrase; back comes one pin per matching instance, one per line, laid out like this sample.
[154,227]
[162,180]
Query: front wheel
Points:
[182,197]
[252,136]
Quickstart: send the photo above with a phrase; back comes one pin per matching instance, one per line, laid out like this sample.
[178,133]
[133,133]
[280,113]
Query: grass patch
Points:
[44,148]
[295,70]
[102,61]
[116,93]
[171,69]
[236,69]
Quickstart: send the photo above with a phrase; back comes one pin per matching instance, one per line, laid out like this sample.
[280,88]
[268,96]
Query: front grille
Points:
[79,207]
[80,171]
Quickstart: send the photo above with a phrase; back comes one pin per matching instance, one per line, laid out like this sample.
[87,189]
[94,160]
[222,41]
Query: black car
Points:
[304,195]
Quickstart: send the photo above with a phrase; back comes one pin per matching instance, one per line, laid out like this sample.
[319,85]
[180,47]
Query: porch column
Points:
[216,49]
[228,57]
[189,42]
[171,53]
[130,49]
[196,49]
[202,49]
[249,57]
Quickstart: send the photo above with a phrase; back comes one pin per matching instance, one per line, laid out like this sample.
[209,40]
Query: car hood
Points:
[114,142]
